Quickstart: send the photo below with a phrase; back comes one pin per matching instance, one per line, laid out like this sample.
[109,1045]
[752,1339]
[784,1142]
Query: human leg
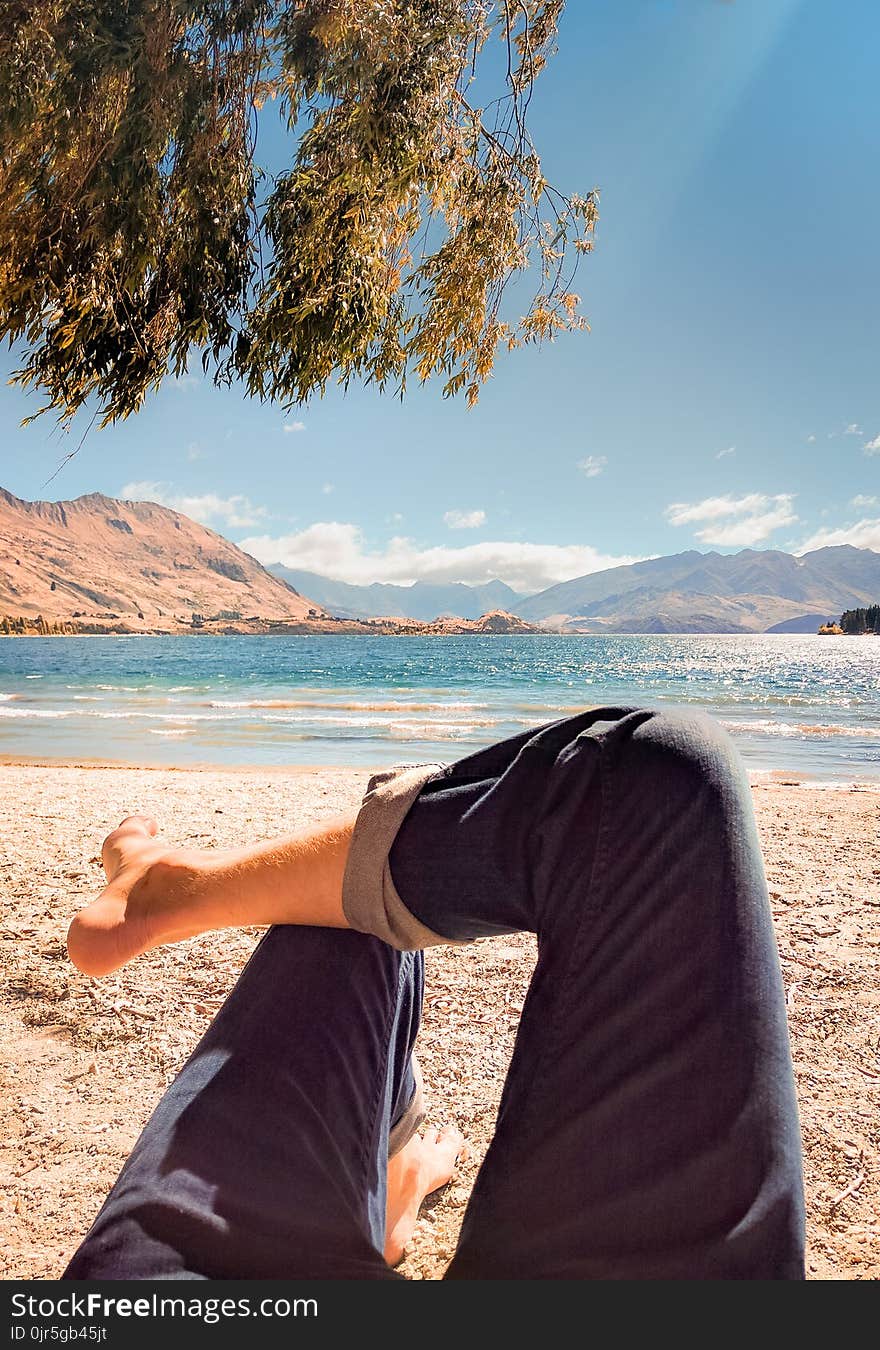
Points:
[267,1156]
[648,1126]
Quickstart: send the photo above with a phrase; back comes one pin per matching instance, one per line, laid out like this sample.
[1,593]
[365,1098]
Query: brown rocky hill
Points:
[496,621]
[145,567]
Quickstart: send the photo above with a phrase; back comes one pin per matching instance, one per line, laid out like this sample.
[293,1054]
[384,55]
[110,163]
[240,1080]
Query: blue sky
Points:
[727,395]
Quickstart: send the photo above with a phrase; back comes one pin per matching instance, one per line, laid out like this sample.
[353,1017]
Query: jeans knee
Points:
[690,753]
[663,753]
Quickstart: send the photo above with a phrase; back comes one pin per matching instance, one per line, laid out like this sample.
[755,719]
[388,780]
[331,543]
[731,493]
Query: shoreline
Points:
[488,625]
[88,763]
[758,778]
[390,627]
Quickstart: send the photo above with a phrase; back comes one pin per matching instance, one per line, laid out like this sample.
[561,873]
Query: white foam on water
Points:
[117,716]
[803,730]
[124,688]
[37,713]
[331,705]
[384,723]
[434,731]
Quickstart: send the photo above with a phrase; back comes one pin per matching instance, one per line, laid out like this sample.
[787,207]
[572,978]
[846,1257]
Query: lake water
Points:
[800,705]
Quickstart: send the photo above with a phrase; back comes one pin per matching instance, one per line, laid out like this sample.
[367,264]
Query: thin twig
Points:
[69,457]
[850,1190]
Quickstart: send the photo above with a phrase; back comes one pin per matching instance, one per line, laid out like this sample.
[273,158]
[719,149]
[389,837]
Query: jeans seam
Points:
[598,865]
[593,900]
[369,1150]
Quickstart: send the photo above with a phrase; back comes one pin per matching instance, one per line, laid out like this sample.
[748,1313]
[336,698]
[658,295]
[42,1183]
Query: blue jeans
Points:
[648,1127]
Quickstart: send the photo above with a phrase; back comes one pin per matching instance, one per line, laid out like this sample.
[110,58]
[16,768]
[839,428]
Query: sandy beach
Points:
[85,1061]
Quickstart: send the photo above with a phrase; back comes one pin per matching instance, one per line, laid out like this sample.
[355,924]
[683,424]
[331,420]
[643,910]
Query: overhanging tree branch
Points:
[137,226]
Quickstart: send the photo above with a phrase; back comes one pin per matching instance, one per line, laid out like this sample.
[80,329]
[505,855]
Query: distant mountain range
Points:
[424,600]
[98,561]
[753,591]
[100,565]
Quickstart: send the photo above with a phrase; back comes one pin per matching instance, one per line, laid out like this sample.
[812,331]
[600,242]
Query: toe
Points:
[138,824]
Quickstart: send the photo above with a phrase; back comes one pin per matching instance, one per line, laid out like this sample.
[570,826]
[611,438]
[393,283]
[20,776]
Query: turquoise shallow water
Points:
[805,705]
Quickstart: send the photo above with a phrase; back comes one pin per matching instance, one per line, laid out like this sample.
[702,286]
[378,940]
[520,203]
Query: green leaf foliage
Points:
[137,227]
[861,620]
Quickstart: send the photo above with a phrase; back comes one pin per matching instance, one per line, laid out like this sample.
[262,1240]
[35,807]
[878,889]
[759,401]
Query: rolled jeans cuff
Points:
[370,899]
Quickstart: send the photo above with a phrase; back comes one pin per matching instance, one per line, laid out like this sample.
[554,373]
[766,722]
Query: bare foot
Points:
[422,1166]
[157,894]
[135,911]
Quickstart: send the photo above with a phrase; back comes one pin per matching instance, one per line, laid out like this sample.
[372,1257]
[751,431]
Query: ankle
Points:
[168,901]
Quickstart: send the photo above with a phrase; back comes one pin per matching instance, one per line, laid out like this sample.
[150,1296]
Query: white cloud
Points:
[750,530]
[735,522]
[722,454]
[337,550]
[853,430]
[714,508]
[864,534]
[464,520]
[593,465]
[328,488]
[860,501]
[872,447]
[194,451]
[236,512]
[291,428]
[811,440]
